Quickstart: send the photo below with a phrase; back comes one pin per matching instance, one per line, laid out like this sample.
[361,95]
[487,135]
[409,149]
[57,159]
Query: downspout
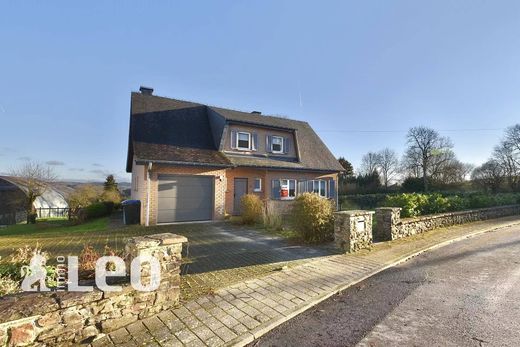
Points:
[148,190]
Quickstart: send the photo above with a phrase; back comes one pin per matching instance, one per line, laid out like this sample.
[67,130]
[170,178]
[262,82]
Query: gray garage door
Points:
[185,198]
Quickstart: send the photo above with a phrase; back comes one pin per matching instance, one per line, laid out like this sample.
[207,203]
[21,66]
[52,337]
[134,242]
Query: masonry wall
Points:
[390,226]
[69,318]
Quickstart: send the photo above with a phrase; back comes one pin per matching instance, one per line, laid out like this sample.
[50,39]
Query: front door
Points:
[240,190]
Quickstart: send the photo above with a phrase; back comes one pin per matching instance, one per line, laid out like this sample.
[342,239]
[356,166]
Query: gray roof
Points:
[182,132]
[51,197]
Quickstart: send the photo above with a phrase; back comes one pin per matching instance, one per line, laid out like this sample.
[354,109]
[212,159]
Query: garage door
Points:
[185,198]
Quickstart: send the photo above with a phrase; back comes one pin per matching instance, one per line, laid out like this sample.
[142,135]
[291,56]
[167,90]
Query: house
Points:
[193,162]
[13,192]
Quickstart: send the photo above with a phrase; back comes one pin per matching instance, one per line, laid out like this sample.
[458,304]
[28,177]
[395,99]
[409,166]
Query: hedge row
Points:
[416,204]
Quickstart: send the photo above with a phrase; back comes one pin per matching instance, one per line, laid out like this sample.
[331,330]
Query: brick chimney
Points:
[146,90]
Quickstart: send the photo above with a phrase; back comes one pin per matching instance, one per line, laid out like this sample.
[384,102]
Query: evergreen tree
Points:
[110,184]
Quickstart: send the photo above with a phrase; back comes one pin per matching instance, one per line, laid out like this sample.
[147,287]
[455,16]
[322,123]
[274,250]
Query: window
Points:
[287,189]
[319,187]
[258,185]
[277,144]
[244,140]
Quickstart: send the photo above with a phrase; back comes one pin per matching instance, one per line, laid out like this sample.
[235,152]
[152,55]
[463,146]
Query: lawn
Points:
[60,238]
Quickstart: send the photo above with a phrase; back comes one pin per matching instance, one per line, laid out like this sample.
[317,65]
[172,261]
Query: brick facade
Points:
[219,187]
[223,188]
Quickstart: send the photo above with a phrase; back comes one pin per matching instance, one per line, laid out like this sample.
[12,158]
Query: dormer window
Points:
[243,140]
[277,144]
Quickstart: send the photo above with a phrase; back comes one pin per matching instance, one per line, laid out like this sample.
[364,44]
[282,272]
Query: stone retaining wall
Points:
[353,230]
[390,226]
[58,318]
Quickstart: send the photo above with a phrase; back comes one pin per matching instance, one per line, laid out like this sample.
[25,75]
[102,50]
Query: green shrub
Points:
[10,270]
[272,217]
[457,203]
[361,201]
[97,210]
[313,218]
[252,209]
[409,203]
[421,204]
[435,203]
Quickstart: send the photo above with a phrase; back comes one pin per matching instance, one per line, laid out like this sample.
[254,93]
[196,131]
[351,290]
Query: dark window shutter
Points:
[268,144]
[275,190]
[254,141]
[332,189]
[233,139]
[286,145]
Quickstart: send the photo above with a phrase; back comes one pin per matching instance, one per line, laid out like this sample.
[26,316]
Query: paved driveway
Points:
[225,246]
[221,254]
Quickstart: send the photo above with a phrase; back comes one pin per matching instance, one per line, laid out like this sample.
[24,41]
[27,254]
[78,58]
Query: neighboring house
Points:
[12,200]
[200,160]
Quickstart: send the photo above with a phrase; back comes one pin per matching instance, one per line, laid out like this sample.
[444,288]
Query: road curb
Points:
[264,328]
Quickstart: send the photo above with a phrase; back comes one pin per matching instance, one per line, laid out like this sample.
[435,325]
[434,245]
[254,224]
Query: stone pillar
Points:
[353,230]
[167,249]
[387,220]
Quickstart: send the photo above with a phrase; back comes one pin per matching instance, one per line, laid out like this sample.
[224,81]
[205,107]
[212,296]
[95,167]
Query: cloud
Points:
[25,158]
[98,165]
[76,169]
[100,172]
[55,163]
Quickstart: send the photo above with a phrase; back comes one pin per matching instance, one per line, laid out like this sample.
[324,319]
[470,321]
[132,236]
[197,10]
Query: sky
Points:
[360,72]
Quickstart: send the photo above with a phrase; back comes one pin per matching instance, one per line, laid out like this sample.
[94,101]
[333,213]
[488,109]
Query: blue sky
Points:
[361,73]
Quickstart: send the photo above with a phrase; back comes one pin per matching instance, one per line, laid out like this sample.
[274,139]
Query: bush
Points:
[11,271]
[272,217]
[421,204]
[8,286]
[252,209]
[457,203]
[99,209]
[435,203]
[313,218]
[361,201]
[410,204]
[87,261]
[412,185]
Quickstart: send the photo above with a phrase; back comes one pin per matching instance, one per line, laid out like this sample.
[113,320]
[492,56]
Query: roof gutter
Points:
[181,163]
[148,192]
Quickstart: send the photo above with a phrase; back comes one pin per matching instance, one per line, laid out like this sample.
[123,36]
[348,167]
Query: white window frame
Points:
[248,148]
[281,144]
[259,189]
[322,191]
[288,184]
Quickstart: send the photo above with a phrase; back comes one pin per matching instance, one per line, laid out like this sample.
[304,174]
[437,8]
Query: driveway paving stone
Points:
[194,325]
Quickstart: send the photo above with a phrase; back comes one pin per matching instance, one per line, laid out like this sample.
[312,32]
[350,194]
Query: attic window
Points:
[244,140]
[277,144]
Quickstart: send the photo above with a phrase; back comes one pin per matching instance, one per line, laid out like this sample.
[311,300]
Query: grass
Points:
[60,238]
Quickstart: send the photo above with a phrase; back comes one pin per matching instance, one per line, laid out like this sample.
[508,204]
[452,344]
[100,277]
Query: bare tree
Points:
[36,179]
[428,150]
[388,164]
[512,141]
[505,155]
[369,164]
[489,175]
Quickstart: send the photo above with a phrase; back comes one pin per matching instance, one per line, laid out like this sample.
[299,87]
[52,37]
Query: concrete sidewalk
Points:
[240,313]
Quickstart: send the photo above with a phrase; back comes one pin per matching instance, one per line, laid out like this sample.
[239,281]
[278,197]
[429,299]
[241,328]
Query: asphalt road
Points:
[464,294]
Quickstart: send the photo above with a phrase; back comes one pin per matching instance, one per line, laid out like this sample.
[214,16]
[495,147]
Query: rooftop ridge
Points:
[222,108]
